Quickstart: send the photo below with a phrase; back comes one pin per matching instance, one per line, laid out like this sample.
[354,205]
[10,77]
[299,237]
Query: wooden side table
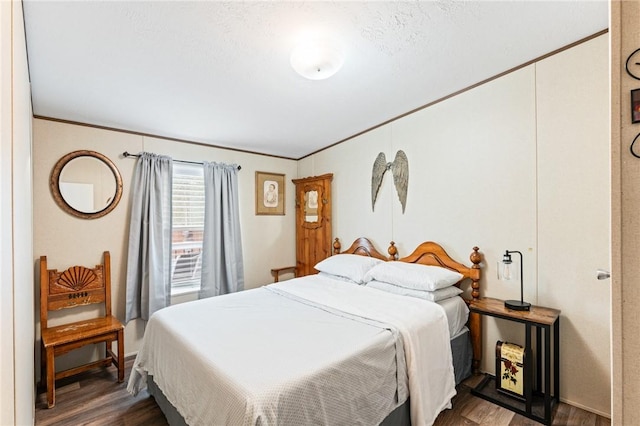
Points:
[539,401]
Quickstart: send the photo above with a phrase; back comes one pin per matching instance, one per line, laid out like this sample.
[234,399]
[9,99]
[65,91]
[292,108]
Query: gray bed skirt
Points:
[462,356]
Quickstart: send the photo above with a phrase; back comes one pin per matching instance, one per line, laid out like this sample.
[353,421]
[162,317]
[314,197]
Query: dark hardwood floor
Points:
[471,410]
[95,398]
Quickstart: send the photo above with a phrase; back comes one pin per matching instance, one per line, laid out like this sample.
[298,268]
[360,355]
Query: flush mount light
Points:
[317,59]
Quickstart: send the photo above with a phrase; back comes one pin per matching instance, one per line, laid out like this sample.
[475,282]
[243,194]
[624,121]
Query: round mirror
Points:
[86,184]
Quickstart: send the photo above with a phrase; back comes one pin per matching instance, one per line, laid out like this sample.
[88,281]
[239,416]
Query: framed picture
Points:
[269,193]
[635,106]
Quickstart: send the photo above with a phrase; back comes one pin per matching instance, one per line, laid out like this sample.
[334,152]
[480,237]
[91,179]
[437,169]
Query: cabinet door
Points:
[313,223]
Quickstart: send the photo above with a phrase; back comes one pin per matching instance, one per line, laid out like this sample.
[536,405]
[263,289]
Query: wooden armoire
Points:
[313,222]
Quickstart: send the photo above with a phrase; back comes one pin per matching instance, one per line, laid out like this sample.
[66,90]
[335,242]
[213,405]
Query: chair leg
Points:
[120,356]
[43,367]
[51,375]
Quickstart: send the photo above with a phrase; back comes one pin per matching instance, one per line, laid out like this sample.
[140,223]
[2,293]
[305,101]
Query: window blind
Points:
[188,225]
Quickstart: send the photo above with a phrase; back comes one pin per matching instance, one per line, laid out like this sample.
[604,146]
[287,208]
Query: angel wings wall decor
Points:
[400,170]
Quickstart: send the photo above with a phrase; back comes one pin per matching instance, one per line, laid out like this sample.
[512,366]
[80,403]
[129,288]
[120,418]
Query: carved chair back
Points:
[73,287]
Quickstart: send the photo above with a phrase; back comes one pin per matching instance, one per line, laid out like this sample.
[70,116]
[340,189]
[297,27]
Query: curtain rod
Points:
[127,154]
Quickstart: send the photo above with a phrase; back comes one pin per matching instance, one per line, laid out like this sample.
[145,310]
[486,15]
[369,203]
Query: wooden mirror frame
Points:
[62,203]
[321,204]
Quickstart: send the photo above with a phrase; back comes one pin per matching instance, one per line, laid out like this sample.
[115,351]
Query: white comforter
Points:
[309,350]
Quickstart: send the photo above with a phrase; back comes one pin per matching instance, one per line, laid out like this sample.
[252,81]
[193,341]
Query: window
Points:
[188,226]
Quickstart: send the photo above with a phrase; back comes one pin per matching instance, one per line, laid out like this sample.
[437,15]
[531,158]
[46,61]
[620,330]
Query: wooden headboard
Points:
[363,247]
[430,253]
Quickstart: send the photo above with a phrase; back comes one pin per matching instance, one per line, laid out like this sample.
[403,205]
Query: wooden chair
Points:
[77,286]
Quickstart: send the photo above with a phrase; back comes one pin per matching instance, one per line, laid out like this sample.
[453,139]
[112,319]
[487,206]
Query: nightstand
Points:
[539,396]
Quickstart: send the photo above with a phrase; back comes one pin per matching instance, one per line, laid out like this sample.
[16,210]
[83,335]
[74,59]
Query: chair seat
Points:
[72,332]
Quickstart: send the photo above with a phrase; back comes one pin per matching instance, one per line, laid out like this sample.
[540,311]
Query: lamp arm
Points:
[521,274]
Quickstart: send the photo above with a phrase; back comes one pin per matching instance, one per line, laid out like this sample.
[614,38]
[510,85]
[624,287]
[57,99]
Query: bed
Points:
[323,349]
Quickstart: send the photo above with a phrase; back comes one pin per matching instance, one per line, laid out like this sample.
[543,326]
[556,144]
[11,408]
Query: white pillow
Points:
[433,296]
[351,266]
[413,275]
[337,277]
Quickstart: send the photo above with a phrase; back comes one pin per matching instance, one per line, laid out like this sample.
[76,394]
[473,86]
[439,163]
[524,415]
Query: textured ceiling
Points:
[219,72]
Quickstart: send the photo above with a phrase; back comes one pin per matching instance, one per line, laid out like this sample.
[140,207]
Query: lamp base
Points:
[517,305]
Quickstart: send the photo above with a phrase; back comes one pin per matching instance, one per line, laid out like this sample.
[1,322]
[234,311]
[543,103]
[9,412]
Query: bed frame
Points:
[430,253]
[364,247]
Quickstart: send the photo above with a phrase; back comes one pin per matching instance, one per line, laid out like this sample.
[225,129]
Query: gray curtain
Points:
[222,267]
[149,258]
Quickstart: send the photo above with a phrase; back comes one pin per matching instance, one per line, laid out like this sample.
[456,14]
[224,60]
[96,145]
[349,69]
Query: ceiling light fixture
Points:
[317,59]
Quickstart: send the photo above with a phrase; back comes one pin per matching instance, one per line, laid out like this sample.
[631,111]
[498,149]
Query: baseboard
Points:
[577,405]
[130,355]
[585,408]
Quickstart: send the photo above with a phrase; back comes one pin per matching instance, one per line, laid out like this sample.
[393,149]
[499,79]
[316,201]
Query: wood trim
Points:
[621,36]
[444,98]
[44,291]
[328,176]
[466,89]
[151,135]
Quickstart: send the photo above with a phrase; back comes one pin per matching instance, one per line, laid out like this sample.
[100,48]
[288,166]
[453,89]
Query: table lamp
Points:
[505,272]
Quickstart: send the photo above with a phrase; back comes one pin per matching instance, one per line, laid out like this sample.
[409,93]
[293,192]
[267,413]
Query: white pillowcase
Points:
[351,266]
[413,275]
[433,296]
[337,277]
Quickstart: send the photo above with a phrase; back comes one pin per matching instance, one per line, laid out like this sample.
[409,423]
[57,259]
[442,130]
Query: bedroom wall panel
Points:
[472,175]
[351,164]
[268,241]
[67,240]
[471,182]
[474,180]
[17,390]
[573,214]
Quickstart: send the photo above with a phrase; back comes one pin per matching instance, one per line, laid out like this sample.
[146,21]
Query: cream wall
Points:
[573,229]
[67,240]
[16,258]
[518,163]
